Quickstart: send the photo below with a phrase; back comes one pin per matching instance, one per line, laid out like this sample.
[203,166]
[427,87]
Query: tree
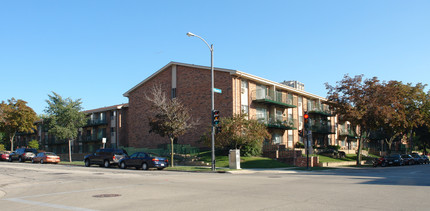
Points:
[238,132]
[64,118]
[16,116]
[355,100]
[170,117]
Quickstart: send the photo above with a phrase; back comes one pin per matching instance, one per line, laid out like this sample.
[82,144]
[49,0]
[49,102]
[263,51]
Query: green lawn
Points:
[74,163]
[245,162]
[349,157]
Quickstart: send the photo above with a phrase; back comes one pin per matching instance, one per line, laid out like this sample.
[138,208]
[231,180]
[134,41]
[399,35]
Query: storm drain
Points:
[106,195]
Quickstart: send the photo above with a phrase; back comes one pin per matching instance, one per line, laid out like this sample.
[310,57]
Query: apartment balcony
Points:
[347,132]
[279,123]
[95,122]
[271,97]
[322,129]
[321,111]
[92,138]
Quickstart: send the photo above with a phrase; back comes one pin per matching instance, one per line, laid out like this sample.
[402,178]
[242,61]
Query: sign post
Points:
[104,142]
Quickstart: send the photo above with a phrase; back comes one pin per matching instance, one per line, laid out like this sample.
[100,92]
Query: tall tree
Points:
[16,116]
[170,117]
[64,118]
[355,100]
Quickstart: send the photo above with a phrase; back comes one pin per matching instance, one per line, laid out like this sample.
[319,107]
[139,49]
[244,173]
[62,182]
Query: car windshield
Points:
[50,153]
[153,155]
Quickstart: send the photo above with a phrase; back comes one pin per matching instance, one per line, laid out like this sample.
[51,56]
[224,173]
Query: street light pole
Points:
[211,48]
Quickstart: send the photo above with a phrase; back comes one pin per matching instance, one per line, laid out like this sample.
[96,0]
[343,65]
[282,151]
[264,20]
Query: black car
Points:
[22,154]
[105,157]
[144,160]
[417,158]
[395,159]
[425,159]
[408,159]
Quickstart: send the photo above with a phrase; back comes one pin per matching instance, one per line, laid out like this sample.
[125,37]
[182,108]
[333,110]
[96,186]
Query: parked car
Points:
[395,159]
[105,157]
[417,158]
[425,159]
[382,161]
[22,154]
[46,157]
[144,161]
[4,155]
[408,159]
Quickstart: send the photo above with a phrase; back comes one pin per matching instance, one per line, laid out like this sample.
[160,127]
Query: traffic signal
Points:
[218,130]
[215,117]
[306,118]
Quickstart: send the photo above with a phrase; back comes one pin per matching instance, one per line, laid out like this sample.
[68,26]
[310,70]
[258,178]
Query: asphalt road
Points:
[26,186]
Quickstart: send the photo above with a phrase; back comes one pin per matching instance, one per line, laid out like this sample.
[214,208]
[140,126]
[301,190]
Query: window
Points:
[244,109]
[173,93]
[261,114]
[112,115]
[261,92]
[276,138]
[290,138]
[300,111]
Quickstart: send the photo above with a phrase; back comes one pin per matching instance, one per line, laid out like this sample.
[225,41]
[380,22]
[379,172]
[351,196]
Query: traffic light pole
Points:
[307,149]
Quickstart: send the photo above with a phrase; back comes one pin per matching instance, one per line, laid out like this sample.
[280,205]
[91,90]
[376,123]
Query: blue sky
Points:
[97,50]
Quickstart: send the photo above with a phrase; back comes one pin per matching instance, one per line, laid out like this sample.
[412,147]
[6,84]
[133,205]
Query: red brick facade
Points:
[193,86]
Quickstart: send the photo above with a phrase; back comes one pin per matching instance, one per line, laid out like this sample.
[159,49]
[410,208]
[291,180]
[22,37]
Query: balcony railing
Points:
[321,110]
[347,132]
[273,98]
[279,123]
[91,138]
[322,128]
[94,122]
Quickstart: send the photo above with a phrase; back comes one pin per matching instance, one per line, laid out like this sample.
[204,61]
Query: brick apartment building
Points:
[106,122]
[278,105]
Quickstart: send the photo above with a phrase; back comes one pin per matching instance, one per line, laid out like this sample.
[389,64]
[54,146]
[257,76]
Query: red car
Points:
[4,155]
[46,157]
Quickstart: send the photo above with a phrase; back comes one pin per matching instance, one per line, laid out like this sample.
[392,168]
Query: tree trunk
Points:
[360,146]
[172,152]
[70,152]
[11,137]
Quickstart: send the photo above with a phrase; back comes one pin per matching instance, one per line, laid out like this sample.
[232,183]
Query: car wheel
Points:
[32,160]
[106,164]
[144,166]
[20,159]
[87,163]
[41,161]
[383,164]
[122,165]
[160,168]
[10,159]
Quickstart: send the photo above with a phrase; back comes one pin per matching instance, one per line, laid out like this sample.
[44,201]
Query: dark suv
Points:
[22,154]
[105,157]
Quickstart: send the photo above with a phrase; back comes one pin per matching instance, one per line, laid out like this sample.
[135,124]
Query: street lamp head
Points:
[189,34]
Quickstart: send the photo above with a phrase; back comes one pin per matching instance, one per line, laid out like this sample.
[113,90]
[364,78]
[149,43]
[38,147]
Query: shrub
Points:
[33,144]
[299,145]
[2,147]
[333,147]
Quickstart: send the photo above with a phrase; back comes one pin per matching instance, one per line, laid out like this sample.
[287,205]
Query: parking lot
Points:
[62,187]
